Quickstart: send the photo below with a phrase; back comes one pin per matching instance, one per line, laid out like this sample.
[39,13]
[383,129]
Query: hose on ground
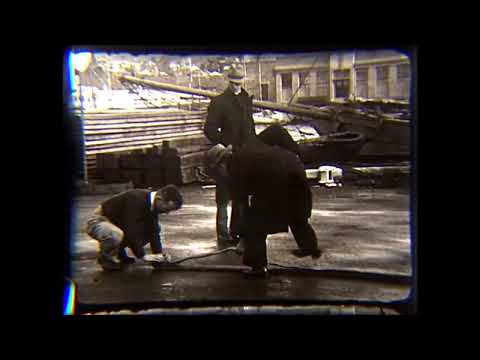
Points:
[231,248]
[350,273]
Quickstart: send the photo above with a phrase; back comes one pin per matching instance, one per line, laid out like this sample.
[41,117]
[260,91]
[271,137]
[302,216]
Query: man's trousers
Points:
[255,254]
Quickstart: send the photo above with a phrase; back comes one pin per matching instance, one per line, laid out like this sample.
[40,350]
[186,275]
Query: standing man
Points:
[130,219]
[229,123]
[280,197]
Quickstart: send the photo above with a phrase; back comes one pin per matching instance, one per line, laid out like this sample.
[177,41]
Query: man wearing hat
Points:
[230,123]
[274,179]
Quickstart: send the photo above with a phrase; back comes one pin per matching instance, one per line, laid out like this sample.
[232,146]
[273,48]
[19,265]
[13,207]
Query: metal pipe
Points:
[318,114]
[309,113]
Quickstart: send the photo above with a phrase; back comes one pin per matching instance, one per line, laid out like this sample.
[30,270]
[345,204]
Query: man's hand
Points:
[229,150]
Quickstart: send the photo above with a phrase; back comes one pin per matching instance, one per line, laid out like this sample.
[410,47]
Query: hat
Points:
[215,155]
[235,75]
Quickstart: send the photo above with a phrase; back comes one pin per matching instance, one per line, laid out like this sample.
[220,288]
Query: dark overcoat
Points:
[278,135]
[275,178]
[130,211]
[230,119]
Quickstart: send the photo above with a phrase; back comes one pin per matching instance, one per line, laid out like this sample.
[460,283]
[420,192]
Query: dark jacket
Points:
[232,114]
[278,135]
[130,211]
[275,177]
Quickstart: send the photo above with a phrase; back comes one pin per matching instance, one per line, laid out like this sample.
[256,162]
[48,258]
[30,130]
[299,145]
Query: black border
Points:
[185,48]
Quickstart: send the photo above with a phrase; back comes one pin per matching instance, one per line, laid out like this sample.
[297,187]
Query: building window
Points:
[342,88]
[286,87]
[403,71]
[341,83]
[322,83]
[264,91]
[362,83]
[403,79]
[304,78]
[341,74]
[382,82]
[287,81]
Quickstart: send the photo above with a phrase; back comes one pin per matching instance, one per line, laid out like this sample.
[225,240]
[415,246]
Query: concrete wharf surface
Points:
[364,234]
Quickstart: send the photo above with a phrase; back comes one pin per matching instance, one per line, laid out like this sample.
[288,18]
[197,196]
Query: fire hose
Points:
[398,278]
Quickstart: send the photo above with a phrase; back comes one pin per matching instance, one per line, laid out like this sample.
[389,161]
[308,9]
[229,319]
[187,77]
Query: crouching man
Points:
[272,181]
[130,219]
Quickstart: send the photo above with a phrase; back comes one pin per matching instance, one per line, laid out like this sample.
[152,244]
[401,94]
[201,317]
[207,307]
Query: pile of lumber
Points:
[143,169]
[120,131]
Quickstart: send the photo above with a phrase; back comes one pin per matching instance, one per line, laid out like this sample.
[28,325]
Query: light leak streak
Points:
[70,77]
[69,298]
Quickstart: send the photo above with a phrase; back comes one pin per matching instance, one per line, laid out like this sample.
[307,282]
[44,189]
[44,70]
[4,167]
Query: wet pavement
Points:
[364,234]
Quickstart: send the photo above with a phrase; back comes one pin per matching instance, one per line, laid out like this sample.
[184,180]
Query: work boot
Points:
[109,263]
[300,253]
[256,273]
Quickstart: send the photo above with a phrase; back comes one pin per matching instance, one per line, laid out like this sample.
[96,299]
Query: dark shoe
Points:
[300,253]
[228,239]
[223,244]
[255,273]
[240,248]
[109,263]
[124,258]
[235,239]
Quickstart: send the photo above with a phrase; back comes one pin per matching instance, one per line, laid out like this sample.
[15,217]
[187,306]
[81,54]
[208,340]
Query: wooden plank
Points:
[114,114]
[142,145]
[189,174]
[126,124]
[127,130]
[140,138]
[190,149]
[138,132]
[143,119]
[194,159]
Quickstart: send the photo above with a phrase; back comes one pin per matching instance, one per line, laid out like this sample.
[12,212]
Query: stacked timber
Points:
[117,132]
[192,154]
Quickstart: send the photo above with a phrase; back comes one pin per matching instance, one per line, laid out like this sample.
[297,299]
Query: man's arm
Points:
[213,123]
[134,224]
[134,236]
[155,242]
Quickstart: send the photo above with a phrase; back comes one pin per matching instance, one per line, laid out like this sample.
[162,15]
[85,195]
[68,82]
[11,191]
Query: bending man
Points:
[280,197]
